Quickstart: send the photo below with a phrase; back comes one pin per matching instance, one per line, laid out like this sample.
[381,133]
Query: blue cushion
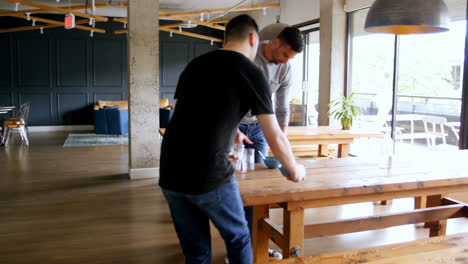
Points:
[100,122]
[117,121]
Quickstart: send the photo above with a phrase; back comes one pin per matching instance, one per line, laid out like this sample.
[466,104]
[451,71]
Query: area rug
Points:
[81,140]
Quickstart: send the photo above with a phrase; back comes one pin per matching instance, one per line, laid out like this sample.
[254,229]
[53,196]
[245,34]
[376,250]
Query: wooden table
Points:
[352,180]
[324,135]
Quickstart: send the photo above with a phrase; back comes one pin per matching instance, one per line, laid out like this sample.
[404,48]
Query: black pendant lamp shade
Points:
[403,17]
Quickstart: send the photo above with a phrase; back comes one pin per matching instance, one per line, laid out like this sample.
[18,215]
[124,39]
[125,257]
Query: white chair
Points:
[434,129]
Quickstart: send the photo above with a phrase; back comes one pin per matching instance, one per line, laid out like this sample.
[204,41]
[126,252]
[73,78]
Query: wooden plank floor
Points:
[76,205]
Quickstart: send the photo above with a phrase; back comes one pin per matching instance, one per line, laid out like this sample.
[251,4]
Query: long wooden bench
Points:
[451,249]
[310,150]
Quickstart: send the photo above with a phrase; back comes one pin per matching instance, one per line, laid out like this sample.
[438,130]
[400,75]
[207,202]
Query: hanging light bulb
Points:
[125,25]
[211,43]
[91,33]
[180,28]
[91,21]
[170,34]
[34,23]
[201,17]
[404,17]
[28,16]
[42,30]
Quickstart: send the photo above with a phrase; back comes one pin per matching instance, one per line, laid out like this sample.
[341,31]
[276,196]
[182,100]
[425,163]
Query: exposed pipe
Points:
[227,11]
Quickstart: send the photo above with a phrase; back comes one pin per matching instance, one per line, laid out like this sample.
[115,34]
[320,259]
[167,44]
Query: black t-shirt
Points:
[214,92]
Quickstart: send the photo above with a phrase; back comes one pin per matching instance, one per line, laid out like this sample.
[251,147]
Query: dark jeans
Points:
[223,206]
[255,134]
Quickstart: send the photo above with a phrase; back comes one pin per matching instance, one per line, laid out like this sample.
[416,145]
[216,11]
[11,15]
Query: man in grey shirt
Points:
[272,57]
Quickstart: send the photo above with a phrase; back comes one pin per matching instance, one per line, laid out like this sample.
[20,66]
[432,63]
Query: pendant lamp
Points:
[403,17]
[271,31]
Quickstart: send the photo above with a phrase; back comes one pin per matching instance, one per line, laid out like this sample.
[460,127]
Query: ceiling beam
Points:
[191,34]
[57,9]
[37,11]
[84,21]
[213,11]
[123,31]
[60,23]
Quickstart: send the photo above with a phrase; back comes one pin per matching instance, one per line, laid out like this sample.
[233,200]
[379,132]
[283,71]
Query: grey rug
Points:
[81,140]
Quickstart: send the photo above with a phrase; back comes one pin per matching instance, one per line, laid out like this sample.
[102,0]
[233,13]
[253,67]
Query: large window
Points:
[429,86]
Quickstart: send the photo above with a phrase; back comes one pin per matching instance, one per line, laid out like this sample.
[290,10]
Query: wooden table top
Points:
[335,178]
[326,132]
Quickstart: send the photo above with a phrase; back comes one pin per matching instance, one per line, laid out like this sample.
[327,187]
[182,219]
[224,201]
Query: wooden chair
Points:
[18,124]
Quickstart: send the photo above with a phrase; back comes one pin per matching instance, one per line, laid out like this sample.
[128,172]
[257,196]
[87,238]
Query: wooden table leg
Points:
[293,230]
[420,202]
[343,150]
[322,150]
[259,236]
[437,228]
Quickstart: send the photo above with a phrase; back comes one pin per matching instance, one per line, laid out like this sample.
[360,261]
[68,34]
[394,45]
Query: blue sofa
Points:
[111,120]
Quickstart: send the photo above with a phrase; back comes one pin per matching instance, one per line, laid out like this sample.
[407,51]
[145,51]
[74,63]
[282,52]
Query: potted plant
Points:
[344,110]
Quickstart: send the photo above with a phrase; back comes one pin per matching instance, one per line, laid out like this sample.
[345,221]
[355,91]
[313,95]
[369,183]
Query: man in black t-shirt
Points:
[196,175]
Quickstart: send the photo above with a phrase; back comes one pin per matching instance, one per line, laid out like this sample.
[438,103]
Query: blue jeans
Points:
[255,134]
[223,206]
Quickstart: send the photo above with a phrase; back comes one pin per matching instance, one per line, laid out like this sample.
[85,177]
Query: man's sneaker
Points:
[274,255]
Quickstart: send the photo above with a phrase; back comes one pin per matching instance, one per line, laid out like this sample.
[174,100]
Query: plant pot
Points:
[346,124]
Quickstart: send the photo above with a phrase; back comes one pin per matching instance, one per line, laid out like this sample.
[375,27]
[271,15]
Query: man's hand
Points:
[298,174]
[241,138]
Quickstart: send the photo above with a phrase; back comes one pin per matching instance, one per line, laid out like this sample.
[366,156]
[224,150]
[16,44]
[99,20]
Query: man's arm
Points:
[282,101]
[279,145]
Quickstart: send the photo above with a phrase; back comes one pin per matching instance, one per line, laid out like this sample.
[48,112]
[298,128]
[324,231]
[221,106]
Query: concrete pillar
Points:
[143,88]
[332,55]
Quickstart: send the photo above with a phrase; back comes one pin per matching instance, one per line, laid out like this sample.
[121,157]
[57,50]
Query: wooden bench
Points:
[441,250]
[310,151]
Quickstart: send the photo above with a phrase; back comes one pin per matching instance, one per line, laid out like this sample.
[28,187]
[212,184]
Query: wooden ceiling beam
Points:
[214,11]
[191,34]
[38,11]
[194,21]
[199,22]
[211,11]
[57,9]
[84,21]
[60,23]
[120,31]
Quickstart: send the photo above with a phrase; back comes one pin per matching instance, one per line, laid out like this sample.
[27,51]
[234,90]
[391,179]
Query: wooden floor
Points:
[76,205]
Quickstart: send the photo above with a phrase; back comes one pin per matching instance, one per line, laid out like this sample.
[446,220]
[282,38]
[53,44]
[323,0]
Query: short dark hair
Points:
[240,27]
[293,37]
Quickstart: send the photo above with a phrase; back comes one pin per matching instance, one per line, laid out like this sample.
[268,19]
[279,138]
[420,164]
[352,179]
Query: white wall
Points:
[297,11]
[291,12]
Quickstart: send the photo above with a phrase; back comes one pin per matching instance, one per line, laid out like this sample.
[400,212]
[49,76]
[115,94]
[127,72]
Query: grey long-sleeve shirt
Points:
[279,78]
